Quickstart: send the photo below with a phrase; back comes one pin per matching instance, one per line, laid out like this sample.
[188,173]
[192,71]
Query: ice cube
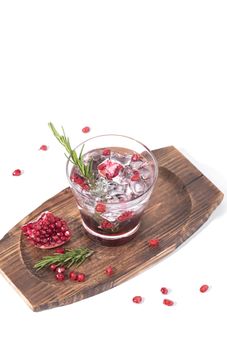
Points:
[123,159]
[145,172]
[138,187]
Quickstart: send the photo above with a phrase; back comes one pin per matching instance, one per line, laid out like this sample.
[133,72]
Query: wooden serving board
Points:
[182,201]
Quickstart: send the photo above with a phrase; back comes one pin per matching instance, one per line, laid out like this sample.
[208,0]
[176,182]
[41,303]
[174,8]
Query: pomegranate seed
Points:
[60,250]
[73,276]
[43,148]
[17,172]
[153,242]
[105,224]
[168,302]
[60,269]
[204,288]
[125,216]
[164,290]
[86,187]
[106,152]
[81,277]
[60,276]
[137,299]
[135,157]
[135,176]
[109,270]
[86,129]
[77,179]
[100,208]
[53,267]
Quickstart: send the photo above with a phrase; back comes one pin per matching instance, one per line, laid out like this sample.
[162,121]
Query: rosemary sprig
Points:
[70,257]
[85,169]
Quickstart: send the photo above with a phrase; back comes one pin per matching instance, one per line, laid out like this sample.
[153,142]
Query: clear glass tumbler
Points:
[111,204]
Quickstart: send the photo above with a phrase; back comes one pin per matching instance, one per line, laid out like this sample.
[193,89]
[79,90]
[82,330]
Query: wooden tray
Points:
[182,201]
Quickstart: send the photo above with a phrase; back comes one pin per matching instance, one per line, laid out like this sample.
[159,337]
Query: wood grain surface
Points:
[182,201]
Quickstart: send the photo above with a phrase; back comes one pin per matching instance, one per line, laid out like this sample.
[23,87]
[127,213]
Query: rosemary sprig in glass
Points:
[85,169]
[69,258]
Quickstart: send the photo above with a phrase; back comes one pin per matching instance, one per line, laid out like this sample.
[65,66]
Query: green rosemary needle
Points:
[69,258]
[85,169]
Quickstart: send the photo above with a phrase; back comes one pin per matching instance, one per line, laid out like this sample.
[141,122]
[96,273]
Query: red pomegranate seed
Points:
[60,250]
[73,276]
[164,290]
[60,269]
[81,277]
[60,276]
[153,242]
[53,267]
[135,157]
[109,270]
[100,208]
[125,216]
[137,299]
[135,176]
[168,302]
[106,152]
[86,129]
[43,148]
[105,224]
[17,172]
[86,187]
[204,288]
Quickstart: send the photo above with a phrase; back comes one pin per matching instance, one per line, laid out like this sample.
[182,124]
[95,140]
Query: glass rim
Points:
[117,135]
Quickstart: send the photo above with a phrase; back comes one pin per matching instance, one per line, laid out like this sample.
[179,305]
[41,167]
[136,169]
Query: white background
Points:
[154,70]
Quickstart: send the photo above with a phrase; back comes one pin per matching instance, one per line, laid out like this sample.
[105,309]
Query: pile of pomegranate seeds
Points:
[17,172]
[86,129]
[49,231]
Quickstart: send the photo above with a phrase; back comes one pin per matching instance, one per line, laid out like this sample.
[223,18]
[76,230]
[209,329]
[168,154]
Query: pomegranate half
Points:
[48,231]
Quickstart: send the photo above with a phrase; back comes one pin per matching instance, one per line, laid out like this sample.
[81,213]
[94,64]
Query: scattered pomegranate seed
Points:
[86,129]
[60,276]
[105,224]
[77,179]
[109,270]
[43,148]
[135,157]
[17,172]
[53,267]
[204,288]
[135,176]
[81,277]
[137,299]
[164,290]
[60,250]
[106,152]
[73,276]
[100,208]
[153,242]
[60,269]
[125,216]
[168,302]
